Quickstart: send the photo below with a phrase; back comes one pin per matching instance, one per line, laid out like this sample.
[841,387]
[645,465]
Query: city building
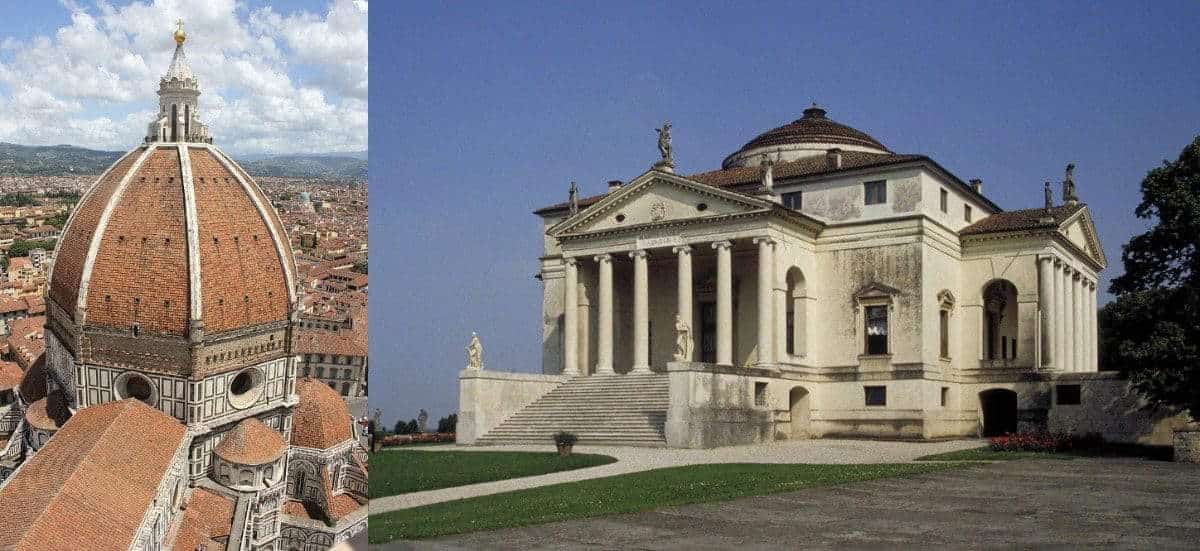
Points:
[165,411]
[817,285]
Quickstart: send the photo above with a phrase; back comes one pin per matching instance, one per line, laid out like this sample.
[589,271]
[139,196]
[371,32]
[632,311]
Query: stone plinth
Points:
[714,405]
[487,398]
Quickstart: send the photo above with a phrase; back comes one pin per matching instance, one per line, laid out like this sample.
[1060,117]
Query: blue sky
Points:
[485,112]
[276,76]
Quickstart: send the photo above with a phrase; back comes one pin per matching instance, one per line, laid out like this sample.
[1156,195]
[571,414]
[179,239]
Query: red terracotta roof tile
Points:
[90,486]
[1017,220]
[251,442]
[321,419]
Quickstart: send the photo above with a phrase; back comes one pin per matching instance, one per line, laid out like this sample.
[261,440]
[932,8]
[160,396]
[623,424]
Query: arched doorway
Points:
[999,407]
[798,403]
[1000,320]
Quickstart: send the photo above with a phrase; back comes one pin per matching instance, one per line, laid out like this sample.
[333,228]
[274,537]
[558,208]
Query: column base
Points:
[605,370]
[640,369]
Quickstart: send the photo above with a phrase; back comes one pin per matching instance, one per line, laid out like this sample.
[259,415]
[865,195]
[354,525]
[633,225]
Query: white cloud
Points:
[272,80]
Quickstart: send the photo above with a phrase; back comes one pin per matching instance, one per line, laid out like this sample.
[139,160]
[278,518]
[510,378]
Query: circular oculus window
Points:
[245,388]
[135,385]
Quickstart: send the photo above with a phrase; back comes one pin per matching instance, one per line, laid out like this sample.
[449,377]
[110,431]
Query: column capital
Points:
[682,249]
[1050,259]
[722,244]
[640,253]
[1059,262]
[1076,275]
[763,239]
[605,257]
[570,261]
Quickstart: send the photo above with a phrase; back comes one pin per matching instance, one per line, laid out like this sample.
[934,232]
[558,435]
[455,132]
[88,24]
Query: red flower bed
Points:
[405,439]
[1043,442]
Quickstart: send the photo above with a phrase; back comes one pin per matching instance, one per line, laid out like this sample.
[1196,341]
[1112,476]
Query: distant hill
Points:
[61,160]
[308,166]
[52,160]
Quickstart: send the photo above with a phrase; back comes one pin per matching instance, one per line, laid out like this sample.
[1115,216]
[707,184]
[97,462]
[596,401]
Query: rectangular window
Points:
[967,213]
[793,200]
[876,329]
[876,192]
[760,394]
[1068,395]
[875,395]
[945,201]
[945,395]
[944,322]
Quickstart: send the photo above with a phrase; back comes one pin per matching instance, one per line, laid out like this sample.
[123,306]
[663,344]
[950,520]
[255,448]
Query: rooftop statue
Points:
[664,143]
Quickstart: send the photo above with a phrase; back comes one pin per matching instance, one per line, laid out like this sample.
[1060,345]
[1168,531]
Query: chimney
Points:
[977,185]
[614,185]
[833,158]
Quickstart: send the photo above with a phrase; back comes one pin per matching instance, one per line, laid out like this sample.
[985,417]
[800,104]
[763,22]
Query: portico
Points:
[641,290]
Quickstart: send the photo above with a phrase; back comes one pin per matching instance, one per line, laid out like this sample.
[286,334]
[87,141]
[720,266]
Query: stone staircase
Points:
[609,410]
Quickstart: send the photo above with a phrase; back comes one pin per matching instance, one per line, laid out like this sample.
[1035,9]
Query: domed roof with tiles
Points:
[251,442]
[174,235]
[813,133]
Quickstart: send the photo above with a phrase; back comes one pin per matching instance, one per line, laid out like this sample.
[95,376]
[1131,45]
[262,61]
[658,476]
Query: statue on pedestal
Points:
[667,163]
[683,340]
[474,353]
[1069,196]
[573,198]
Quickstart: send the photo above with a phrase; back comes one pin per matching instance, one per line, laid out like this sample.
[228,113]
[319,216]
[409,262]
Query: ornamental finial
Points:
[180,36]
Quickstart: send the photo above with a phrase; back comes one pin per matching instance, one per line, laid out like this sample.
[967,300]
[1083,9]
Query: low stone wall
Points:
[714,405]
[487,398]
[1110,407]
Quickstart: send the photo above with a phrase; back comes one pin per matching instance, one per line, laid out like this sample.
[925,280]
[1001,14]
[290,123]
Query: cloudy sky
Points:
[284,76]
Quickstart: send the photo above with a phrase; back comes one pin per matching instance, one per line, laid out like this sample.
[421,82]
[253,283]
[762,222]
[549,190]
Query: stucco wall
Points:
[1110,407]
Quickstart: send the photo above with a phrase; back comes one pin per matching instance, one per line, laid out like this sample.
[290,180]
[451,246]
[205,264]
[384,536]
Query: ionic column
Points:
[1070,313]
[1085,309]
[1079,329]
[684,301]
[570,322]
[724,303]
[641,313]
[766,265]
[1060,352]
[604,348]
[1046,300]
[1094,364]
[1073,331]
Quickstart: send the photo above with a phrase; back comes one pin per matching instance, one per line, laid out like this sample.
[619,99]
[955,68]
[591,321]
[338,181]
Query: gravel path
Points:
[631,460]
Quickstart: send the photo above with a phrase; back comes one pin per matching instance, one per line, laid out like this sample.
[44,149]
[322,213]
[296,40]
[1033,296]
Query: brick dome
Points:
[173,237]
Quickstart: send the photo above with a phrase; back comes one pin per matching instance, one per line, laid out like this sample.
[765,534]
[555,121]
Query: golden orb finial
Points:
[180,36]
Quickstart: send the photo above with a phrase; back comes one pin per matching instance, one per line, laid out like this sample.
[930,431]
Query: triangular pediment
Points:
[1080,230]
[657,197]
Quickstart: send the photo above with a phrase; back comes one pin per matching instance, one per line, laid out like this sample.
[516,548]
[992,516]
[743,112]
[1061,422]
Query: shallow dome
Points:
[251,442]
[173,237]
[812,134]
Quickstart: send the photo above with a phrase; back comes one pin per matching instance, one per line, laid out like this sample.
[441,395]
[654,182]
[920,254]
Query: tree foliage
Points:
[360,266]
[448,423]
[22,248]
[1153,327]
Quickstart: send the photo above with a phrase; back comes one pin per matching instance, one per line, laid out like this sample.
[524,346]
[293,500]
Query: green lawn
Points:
[400,471]
[986,454]
[622,494]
